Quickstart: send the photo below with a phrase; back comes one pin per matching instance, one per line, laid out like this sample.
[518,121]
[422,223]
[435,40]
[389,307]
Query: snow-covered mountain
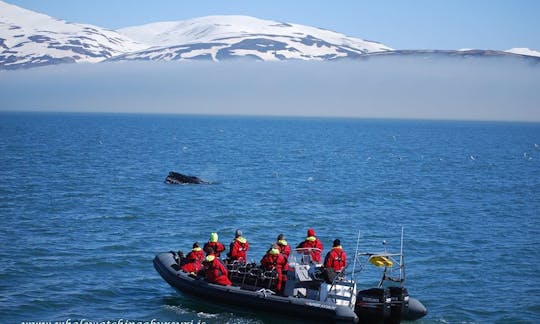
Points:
[461,53]
[523,51]
[29,39]
[222,37]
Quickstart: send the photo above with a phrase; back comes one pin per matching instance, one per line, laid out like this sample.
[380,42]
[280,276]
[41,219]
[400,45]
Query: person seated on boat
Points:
[194,259]
[283,246]
[214,271]
[274,260]
[238,248]
[213,242]
[336,259]
[312,241]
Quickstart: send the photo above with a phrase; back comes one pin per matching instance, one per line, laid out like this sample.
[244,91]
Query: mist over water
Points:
[477,88]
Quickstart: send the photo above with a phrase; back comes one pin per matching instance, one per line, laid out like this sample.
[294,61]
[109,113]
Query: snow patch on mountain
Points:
[222,37]
[28,38]
[215,28]
[523,51]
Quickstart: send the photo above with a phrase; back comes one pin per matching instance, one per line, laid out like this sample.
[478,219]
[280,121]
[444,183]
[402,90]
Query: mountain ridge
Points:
[31,39]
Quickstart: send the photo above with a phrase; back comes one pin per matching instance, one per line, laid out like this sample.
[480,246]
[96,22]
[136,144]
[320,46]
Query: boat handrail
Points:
[308,249]
[339,279]
[387,261]
[385,254]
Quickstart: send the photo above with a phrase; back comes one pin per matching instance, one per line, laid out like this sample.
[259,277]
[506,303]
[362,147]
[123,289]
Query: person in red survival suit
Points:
[275,260]
[214,271]
[312,242]
[336,258]
[194,259]
[238,247]
[283,246]
[213,243]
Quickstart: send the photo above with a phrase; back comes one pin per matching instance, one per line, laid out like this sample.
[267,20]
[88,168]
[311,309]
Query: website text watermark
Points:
[120,321]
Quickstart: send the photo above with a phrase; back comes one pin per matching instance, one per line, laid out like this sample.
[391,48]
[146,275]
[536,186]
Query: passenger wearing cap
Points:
[213,243]
[336,258]
[238,248]
[194,259]
[274,260]
[214,271]
[312,242]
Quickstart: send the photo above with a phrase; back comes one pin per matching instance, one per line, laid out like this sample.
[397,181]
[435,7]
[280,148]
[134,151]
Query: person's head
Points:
[281,240]
[273,249]
[238,233]
[310,232]
[195,245]
[213,237]
[210,250]
[336,243]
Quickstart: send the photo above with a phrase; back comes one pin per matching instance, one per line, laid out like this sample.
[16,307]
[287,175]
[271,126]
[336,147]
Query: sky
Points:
[414,24]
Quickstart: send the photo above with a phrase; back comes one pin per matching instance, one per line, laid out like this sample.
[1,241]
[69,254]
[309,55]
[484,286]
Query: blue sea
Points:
[84,209]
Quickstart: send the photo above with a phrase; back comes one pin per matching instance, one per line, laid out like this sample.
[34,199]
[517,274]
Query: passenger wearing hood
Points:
[312,241]
[214,243]
[214,271]
[274,260]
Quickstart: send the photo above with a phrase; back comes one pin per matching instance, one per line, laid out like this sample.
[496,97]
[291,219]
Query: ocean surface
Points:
[84,209]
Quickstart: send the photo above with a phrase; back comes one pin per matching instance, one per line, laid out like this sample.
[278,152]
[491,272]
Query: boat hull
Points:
[261,300]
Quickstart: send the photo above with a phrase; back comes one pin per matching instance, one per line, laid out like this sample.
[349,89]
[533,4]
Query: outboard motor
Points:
[399,305]
[373,305]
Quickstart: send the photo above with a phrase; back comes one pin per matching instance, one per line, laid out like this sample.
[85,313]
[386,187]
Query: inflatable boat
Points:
[307,294]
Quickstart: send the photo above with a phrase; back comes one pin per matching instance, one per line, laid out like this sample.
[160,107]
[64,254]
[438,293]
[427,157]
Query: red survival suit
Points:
[284,248]
[215,271]
[312,242]
[275,260]
[217,246]
[239,249]
[336,259]
[194,260]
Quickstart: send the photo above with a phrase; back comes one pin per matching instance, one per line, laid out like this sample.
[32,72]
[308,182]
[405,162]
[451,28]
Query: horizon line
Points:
[269,116]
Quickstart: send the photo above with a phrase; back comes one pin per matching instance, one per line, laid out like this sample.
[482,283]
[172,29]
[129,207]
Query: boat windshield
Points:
[303,255]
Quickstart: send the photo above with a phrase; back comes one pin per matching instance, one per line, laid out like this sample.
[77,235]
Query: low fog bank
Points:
[424,88]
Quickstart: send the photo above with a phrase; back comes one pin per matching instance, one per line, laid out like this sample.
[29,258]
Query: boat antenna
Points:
[401,265]
[356,252]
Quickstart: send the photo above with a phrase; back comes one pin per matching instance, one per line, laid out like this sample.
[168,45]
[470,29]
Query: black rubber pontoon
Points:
[307,294]
[262,299]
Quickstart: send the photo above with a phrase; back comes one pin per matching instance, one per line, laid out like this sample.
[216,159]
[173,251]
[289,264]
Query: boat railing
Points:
[388,262]
[342,291]
[304,255]
[251,276]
